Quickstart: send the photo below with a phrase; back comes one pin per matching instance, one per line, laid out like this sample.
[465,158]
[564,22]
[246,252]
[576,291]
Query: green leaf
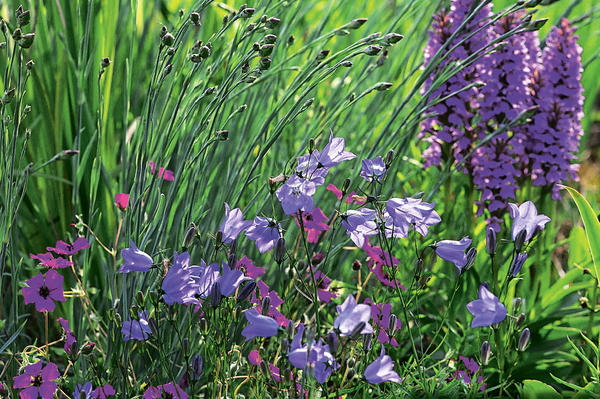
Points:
[533,389]
[592,226]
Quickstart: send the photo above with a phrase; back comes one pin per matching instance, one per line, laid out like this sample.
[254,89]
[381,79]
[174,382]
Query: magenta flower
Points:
[314,223]
[334,152]
[525,217]
[69,337]
[382,370]
[453,251]
[296,195]
[48,260]
[407,212]
[381,264]
[104,391]
[233,224]
[373,169]
[170,390]
[350,315]
[37,381]
[275,301]
[259,325]
[137,329]
[122,200]
[487,309]
[247,267]
[323,283]
[265,232]
[135,260]
[62,248]
[44,290]
[162,172]
[380,314]
[465,375]
[360,224]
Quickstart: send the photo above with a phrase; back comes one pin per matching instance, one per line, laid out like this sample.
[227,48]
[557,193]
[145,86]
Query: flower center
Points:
[36,381]
[167,395]
[44,291]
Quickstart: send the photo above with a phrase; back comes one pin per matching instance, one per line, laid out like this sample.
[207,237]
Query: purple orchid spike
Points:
[233,224]
[381,370]
[487,309]
[259,325]
[454,251]
[137,329]
[525,217]
[373,169]
[296,195]
[135,260]
[265,231]
[350,315]
[37,381]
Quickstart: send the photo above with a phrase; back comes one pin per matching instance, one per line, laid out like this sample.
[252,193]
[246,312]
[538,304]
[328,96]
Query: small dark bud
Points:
[190,234]
[196,366]
[270,39]
[520,319]
[153,326]
[185,345]
[485,353]
[19,10]
[265,306]
[333,342]
[356,23]
[74,349]
[210,91]
[490,241]
[17,34]
[105,62]
[346,64]
[393,38]
[27,110]
[586,270]
[289,329]
[222,134]
[372,50]
[2,45]
[88,348]
[225,20]
[251,27]
[168,39]
[523,339]
[24,18]
[322,55]
[246,290]
[272,22]
[584,302]
[204,52]
[346,186]
[382,86]
[537,24]
[195,18]
[242,108]
[203,325]
[264,64]
[471,255]
[280,250]
[290,40]
[8,96]
[266,49]
[520,240]
[140,298]
[167,69]
[29,65]
[170,51]
[351,373]
[247,12]
[263,18]
[356,265]
[342,32]
[317,258]
[219,237]
[357,330]
[163,31]
[367,342]
[255,46]
[215,295]
[27,40]
[245,67]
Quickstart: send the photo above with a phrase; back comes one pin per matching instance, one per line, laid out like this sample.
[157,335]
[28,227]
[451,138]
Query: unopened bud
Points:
[393,325]
[356,23]
[393,38]
[163,31]
[265,306]
[264,63]
[140,298]
[471,255]
[280,250]
[346,64]
[24,18]
[246,290]
[168,39]
[266,49]
[322,55]
[584,302]
[203,325]
[272,22]
[289,329]
[247,12]
[490,241]
[153,326]
[215,295]
[88,348]
[372,50]
[105,62]
[190,234]
[382,86]
[389,158]
[17,34]
[170,51]
[8,96]
[223,135]
[367,342]
[270,39]
[333,342]
[523,339]
[342,32]
[196,366]
[291,40]
[27,40]
[346,186]
[485,353]
[204,52]
[520,240]
[520,319]
[537,24]
[357,330]
[185,345]
[167,69]
[356,265]
[195,18]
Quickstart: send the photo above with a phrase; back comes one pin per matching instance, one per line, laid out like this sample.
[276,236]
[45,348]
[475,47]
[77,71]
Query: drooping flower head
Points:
[135,259]
[68,334]
[525,217]
[350,315]
[382,370]
[37,381]
[180,284]
[233,224]
[296,195]
[137,329]
[230,279]
[454,251]
[487,309]
[360,224]
[373,169]
[259,325]
[43,290]
[265,232]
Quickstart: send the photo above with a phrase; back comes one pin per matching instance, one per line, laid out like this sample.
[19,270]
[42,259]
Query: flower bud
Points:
[222,135]
[105,62]
[290,40]
[367,342]
[382,86]
[357,330]
[190,234]
[289,329]
[584,302]
[485,353]
[389,158]
[264,63]
[356,23]
[272,22]
[393,325]
[517,264]
[471,255]
[153,326]
[167,69]
[195,18]
[17,34]
[204,52]
[203,325]
[372,50]
[322,55]
[27,40]
[88,348]
[265,306]
[393,38]
[163,31]
[520,319]
[490,241]
[185,345]
[333,341]
[140,298]
[24,18]
[196,366]
[168,39]
[341,32]
[356,265]
[215,295]
[170,51]
[270,39]
[520,240]
[280,250]
[247,12]
[195,58]
[8,96]
[346,186]
[346,64]
[266,49]
[523,339]
[246,290]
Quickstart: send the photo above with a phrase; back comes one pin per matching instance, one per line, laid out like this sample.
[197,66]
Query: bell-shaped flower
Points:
[265,232]
[487,309]
[259,325]
[454,251]
[135,260]
[381,370]
[233,224]
[525,217]
[350,315]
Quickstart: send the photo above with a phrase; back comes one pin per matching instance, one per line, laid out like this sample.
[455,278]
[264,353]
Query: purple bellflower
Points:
[135,260]
[296,195]
[259,325]
[487,309]
[230,280]
[310,169]
[83,391]
[525,217]
[43,290]
[454,251]
[180,285]
[407,212]
[205,277]
[316,356]
[373,169]
[137,329]
[517,263]
[350,315]
[37,381]
[265,232]
[334,152]
[381,370]
[360,224]
[233,224]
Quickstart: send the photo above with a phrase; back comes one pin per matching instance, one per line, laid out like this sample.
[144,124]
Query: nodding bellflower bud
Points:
[471,255]
[195,18]
[356,23]
[291,40]
[333,341]
[264,63]
[389,158]
[520,319]
[393,325]
[524,339]
[247,12]
[520,240]
[393,38]
[168,39]
[356,265]
[367,342]
[153,326]
[272,22]
[322,55]
[266,49]
[346,64]
[372,50]
[265,306]
[17,34]
[246,290]
[24,18]
[485,353]
[215,295]
[223,135]
[357,330]
[27,40]
[163,31]
[204,52]
[382,86]
[280,250]
[88,348]
[190,234]
[270,39]
[490,241]
[196,366]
